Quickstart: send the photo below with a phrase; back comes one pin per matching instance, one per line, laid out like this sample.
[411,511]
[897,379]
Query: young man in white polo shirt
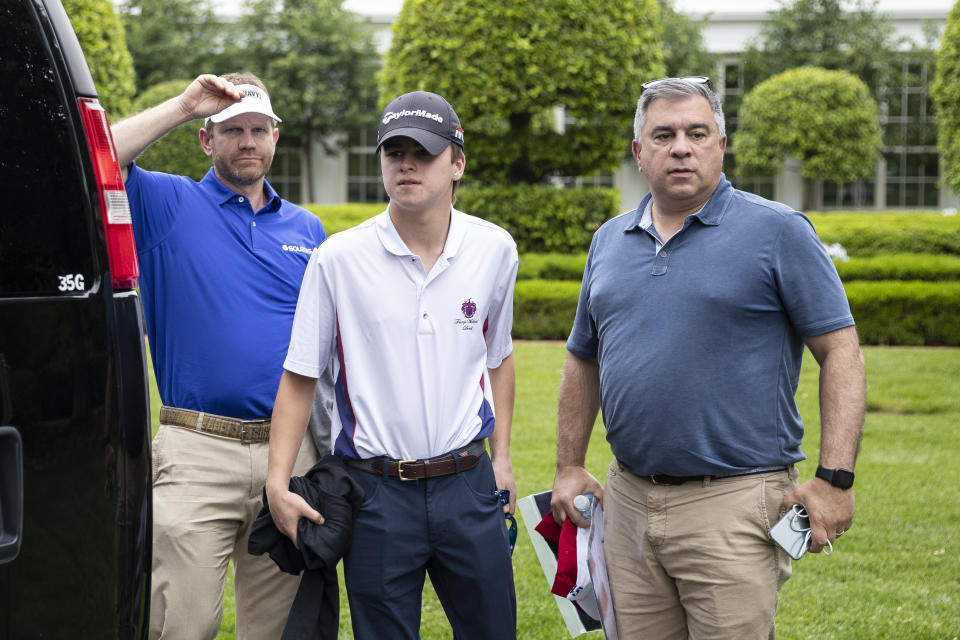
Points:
[416,306]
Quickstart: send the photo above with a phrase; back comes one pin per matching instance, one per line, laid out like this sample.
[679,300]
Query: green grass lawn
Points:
[895,575]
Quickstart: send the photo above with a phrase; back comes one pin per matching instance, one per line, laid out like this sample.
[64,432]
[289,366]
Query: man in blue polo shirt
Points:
[689,333]
[221,264]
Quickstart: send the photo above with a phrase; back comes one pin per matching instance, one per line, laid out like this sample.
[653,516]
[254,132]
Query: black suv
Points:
[75,509]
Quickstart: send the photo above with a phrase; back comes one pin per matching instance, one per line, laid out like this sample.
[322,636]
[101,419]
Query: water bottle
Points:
[584,504]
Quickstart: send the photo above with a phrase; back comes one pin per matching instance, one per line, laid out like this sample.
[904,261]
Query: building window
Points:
[856,195]
[285,173]
[363,169]
[909,145]
[760,185]
[731,81]
[731,86]
[590,182]
[910,139]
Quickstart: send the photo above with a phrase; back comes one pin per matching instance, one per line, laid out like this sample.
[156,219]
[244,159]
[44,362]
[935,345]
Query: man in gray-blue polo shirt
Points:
[689,334]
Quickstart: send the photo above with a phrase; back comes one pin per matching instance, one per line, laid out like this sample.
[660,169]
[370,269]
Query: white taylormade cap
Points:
[255,100]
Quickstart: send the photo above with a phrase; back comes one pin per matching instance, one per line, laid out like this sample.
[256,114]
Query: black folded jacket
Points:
[328,488]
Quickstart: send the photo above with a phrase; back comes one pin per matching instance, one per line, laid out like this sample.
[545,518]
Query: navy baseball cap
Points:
[423,116]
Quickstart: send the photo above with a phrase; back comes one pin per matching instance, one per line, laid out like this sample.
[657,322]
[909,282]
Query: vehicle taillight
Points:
[117,223]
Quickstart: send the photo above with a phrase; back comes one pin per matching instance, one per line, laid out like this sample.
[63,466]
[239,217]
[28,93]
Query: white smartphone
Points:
[792,533]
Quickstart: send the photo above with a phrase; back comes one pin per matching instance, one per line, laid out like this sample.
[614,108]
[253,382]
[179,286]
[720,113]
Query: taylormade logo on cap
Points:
[420,113]
[424,117]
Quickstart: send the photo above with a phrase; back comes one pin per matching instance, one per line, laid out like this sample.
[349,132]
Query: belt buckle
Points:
[400,464]
[243,430]
[653,480]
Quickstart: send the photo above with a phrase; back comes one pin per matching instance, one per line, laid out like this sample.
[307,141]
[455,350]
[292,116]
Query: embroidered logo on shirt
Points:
[468,309]
[297,248]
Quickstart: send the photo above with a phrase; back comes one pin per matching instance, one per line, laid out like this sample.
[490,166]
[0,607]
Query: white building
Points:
[907,175]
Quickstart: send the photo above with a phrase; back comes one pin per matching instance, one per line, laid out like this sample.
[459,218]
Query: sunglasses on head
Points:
[692,79]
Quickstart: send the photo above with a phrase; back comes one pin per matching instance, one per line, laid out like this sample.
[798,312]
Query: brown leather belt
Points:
[246,431]
[467,458]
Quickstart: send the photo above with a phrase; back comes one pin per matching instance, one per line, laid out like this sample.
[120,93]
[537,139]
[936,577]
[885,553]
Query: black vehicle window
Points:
[44,242]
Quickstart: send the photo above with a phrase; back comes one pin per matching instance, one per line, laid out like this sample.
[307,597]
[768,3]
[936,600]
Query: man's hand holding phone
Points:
[793,535]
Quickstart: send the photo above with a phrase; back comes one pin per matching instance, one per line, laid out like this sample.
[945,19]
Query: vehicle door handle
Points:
[11,494]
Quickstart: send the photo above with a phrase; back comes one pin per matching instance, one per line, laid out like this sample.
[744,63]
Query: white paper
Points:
[598,574]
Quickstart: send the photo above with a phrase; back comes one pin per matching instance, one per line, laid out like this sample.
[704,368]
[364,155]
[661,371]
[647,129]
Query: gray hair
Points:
[673,89]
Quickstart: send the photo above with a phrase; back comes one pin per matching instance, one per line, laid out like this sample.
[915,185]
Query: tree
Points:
[173,39]
[101,37]
[318,61]
[684,52]
[179,151]
[507,67]
[834,34]
[826,118]
[946,96]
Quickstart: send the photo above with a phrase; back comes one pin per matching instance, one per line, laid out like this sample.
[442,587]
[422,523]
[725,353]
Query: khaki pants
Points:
[207,491]
[694,560]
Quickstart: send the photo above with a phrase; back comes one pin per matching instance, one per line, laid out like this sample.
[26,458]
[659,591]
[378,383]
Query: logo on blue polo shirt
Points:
[296,248]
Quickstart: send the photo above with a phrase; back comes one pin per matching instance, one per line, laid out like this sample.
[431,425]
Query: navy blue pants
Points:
[451,527]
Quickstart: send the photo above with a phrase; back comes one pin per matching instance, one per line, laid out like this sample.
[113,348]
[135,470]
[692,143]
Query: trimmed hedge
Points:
[887,312]
[898,266]
[544,309]
[178,151]
[908,296]
[945,91]
[779,116]
[563,221]
[901,266]
[906,313]
[552,266]
[337,217]
[506,65]
[541,218]
[100,32]
[869,234]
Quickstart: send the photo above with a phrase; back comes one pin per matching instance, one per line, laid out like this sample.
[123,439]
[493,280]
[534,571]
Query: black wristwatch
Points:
[839,477]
